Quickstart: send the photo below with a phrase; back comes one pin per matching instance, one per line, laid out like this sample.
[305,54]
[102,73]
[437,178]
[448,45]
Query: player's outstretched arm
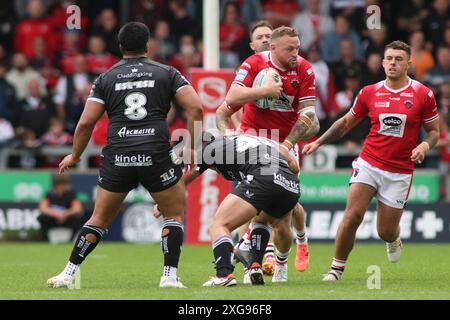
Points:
[336,131]
[93,111]
[431,139]
[224,116]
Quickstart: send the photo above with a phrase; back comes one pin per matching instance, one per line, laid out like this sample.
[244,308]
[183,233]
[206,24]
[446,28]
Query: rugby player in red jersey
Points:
[288,119]
[397,107]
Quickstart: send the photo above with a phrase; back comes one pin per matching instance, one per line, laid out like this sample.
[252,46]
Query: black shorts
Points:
[122,172]
[276,194]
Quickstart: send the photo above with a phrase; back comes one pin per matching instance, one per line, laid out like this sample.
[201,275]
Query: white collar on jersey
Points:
[398,90]
[278,67]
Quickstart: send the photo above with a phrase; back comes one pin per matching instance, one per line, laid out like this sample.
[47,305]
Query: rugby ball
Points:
[260,80]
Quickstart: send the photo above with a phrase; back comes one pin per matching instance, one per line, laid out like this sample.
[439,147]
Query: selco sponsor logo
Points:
[392,121]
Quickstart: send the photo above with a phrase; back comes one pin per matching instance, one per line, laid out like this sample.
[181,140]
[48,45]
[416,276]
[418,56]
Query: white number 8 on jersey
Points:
[135,102]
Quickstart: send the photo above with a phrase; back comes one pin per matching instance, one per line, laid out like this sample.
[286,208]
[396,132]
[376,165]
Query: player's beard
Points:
[290,64]
[264,47]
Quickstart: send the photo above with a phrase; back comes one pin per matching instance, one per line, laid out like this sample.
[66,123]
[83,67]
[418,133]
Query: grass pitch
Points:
[131,271]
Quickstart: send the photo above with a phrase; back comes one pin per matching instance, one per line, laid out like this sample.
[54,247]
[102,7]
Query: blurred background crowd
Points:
[46,69]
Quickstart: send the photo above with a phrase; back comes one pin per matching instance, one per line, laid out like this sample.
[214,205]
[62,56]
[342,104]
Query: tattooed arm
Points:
[223,117]
[306,126]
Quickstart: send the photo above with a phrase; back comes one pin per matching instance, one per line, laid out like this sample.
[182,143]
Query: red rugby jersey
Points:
[396,117]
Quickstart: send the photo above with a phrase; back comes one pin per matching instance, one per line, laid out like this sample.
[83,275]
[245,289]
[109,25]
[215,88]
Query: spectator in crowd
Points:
[375,42]
[98,60]
[36,109]
[344,100]
[60,16]
[312,25]
[40,57]
[443,99]
[251,10]
[421,59]
[330,43]
[8,102]
[60,207]
[51,75]
[153,49]
[446,41]
[149,12]
[107,27]
[347,61]
[70,93]
[280,12]
[37,25]
[373,70]
[166,40]
[437,22]
[70,49]
[411,17]
[440,73]
[352,10]
[6,132]
[4,58]
[26,140]
[188,57]
[56,136]
[231,33]
[21,74]
[326,107]
[7,26]
[180,22]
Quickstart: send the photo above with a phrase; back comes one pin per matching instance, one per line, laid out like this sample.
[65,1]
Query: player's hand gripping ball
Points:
[270,78]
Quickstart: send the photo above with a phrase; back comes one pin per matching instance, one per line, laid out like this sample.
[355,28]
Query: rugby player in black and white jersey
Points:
[268,191]
[136,93]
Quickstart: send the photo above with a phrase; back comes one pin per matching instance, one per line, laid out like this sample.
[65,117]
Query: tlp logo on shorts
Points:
[140,160]
[168,177]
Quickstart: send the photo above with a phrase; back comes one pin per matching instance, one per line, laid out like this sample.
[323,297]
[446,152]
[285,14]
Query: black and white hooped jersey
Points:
[235,155]
[137,94]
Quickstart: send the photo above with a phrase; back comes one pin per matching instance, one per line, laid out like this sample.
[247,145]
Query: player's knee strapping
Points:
[223,249]
[88,238]
[259,238]
[171,241]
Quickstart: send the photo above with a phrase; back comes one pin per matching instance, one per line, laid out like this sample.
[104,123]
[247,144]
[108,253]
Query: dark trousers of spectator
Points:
[75,223]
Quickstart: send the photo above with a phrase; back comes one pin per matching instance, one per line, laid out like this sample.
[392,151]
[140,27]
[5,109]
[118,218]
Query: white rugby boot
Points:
[247,276]
[280,273]
[62,280]
[171,282]
[394,250]
[227,281]
[332,275]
